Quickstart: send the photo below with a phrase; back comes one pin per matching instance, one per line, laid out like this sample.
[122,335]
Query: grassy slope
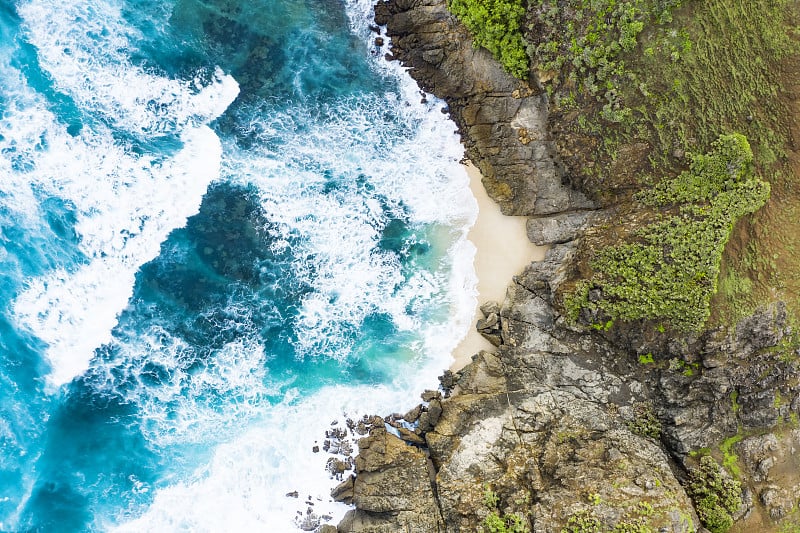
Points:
[712,67]
[735,78]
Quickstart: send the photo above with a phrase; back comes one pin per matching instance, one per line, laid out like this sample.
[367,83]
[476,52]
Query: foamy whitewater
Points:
[224,226]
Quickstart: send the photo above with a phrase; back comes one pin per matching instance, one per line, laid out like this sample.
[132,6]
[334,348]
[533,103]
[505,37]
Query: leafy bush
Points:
[582,522]
[495,25]
[715,495]
[669,270]
[589,37]
[494,522]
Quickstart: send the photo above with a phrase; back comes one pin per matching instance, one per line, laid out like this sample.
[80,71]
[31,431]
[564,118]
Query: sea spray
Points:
[245,280]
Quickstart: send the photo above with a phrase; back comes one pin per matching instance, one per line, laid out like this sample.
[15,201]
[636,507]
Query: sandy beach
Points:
[503,250]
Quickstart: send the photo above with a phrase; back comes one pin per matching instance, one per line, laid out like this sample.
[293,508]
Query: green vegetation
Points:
[495,25]
[584,40]
[684,367]
[669,77]
[715,495]
[582,522]
[645,423]
[729,458]
[646,359]
[632,526]
[633,520]
[670,271]
[735,401]
[497,523]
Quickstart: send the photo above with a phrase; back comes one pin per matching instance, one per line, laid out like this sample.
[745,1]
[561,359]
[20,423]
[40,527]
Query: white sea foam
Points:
[334,234]
[379,173]
[245,487]
[186,397]
[85,47]
[126,205]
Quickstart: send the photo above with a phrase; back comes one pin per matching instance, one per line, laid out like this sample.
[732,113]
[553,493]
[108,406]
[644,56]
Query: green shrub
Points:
[668,271]
[495,25]
[589,38]
[715,495]
[494,522]
[582,522]
[645,423]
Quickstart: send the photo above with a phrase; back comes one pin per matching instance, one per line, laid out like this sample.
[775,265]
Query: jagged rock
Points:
[493,110]
[392,488]
[410,437]
[558,229]
[344,491]
[413,414]
[337,467]
[430,395]
[778,501]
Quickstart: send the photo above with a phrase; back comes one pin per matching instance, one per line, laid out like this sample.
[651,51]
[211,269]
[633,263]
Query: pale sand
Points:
[503,251]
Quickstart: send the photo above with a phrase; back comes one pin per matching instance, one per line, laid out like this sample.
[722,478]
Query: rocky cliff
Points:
[561,428]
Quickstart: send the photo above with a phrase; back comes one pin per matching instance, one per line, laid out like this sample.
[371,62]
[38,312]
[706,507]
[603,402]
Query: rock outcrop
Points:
[561,428]
[503,120]
[392,489]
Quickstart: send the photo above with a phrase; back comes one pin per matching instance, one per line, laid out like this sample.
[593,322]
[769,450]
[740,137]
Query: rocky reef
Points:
[563,428]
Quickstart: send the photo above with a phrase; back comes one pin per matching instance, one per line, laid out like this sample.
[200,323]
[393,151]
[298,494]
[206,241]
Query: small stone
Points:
[293,494]
[413,414]
[311,522]
[411,437]
[490,308]
[315,449]
[613,455]
[489,323]
[379,41]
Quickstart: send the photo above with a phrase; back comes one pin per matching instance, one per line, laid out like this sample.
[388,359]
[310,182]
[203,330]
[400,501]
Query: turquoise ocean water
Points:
[223,225]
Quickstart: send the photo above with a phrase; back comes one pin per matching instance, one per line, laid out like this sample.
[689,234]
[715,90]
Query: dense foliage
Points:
[669,272]
[715,495]
[495,25]
[588,37]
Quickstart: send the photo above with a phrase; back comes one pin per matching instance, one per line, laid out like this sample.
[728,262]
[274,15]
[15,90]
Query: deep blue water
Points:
[222,225]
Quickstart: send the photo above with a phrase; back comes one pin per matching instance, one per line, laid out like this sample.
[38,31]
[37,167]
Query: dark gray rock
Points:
[559,229]
[392,488]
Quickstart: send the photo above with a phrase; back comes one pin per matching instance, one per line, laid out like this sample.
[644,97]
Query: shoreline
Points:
[496,261]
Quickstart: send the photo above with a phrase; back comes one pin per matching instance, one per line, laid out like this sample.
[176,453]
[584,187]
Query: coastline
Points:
[497,260]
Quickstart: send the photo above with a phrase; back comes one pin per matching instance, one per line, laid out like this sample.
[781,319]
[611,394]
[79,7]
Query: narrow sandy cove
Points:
[503,251]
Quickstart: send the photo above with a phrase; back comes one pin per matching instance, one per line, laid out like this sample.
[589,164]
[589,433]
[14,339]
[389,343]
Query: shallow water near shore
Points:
[224,225]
